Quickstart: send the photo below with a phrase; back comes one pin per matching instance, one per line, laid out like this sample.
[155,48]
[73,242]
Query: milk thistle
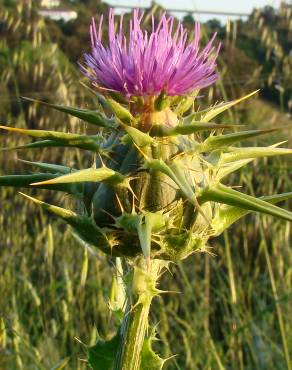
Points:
[155,193]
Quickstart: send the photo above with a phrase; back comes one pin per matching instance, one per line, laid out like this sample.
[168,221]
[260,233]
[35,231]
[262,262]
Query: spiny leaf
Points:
[230,168]
[222,194]
[139,138]
[51,167]
[161,131]
[216,142]
[217,109]
[92,116]
[235,158]
[236,154]
[84,226]
[122,113]
[87,175]
[149,222]
[176,173]
[26,180]
[184,103]
[101,356]
[56,138]
[38,144]
[149,359]
[227,215]
[144,224]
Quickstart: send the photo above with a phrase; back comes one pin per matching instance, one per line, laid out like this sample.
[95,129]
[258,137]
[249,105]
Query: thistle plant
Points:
[156,190]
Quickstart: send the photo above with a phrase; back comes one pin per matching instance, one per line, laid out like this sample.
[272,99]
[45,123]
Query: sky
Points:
[241,6]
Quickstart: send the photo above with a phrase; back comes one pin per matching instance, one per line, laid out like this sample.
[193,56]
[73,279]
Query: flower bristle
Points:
[147,64]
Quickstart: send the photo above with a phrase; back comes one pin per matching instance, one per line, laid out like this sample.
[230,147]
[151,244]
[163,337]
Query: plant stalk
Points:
[141,290]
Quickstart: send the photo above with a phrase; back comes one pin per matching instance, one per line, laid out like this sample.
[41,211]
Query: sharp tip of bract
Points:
[41,183]
[9,128]
[25,195]
[23,161]
[30,198]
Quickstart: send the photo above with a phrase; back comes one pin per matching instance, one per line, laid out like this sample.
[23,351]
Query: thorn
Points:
[101,160]
[132,192]
[104,211]
[168,292]
[133,210]
[139,149]
[200,210]
[120,204]
[29,197]
[79,341]
[169,358]
[181,154]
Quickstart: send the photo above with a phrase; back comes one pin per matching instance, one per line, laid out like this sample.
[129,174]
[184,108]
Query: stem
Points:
[141,291]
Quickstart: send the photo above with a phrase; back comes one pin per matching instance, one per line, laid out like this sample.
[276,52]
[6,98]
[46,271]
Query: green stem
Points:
[141,291]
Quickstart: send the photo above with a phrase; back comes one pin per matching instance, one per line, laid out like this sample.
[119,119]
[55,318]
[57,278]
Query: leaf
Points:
[184,103]
[101,356]
[220,141]
[120,111]
[92,116]
[57,138]
[222,194]
[84,226]
[236,154]
[235,158]
[144,224]
[139,138]
[38,144]
[217,109]
[227,215]
[149,359]
[230,168]
[51,167]
[175,172]
[149,222]
[26,180]
[161,131]
[87,175]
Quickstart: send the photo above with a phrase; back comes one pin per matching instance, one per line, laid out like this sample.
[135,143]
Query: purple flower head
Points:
[147,64]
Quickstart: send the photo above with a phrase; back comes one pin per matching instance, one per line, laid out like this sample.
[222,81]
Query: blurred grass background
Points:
[234,309]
